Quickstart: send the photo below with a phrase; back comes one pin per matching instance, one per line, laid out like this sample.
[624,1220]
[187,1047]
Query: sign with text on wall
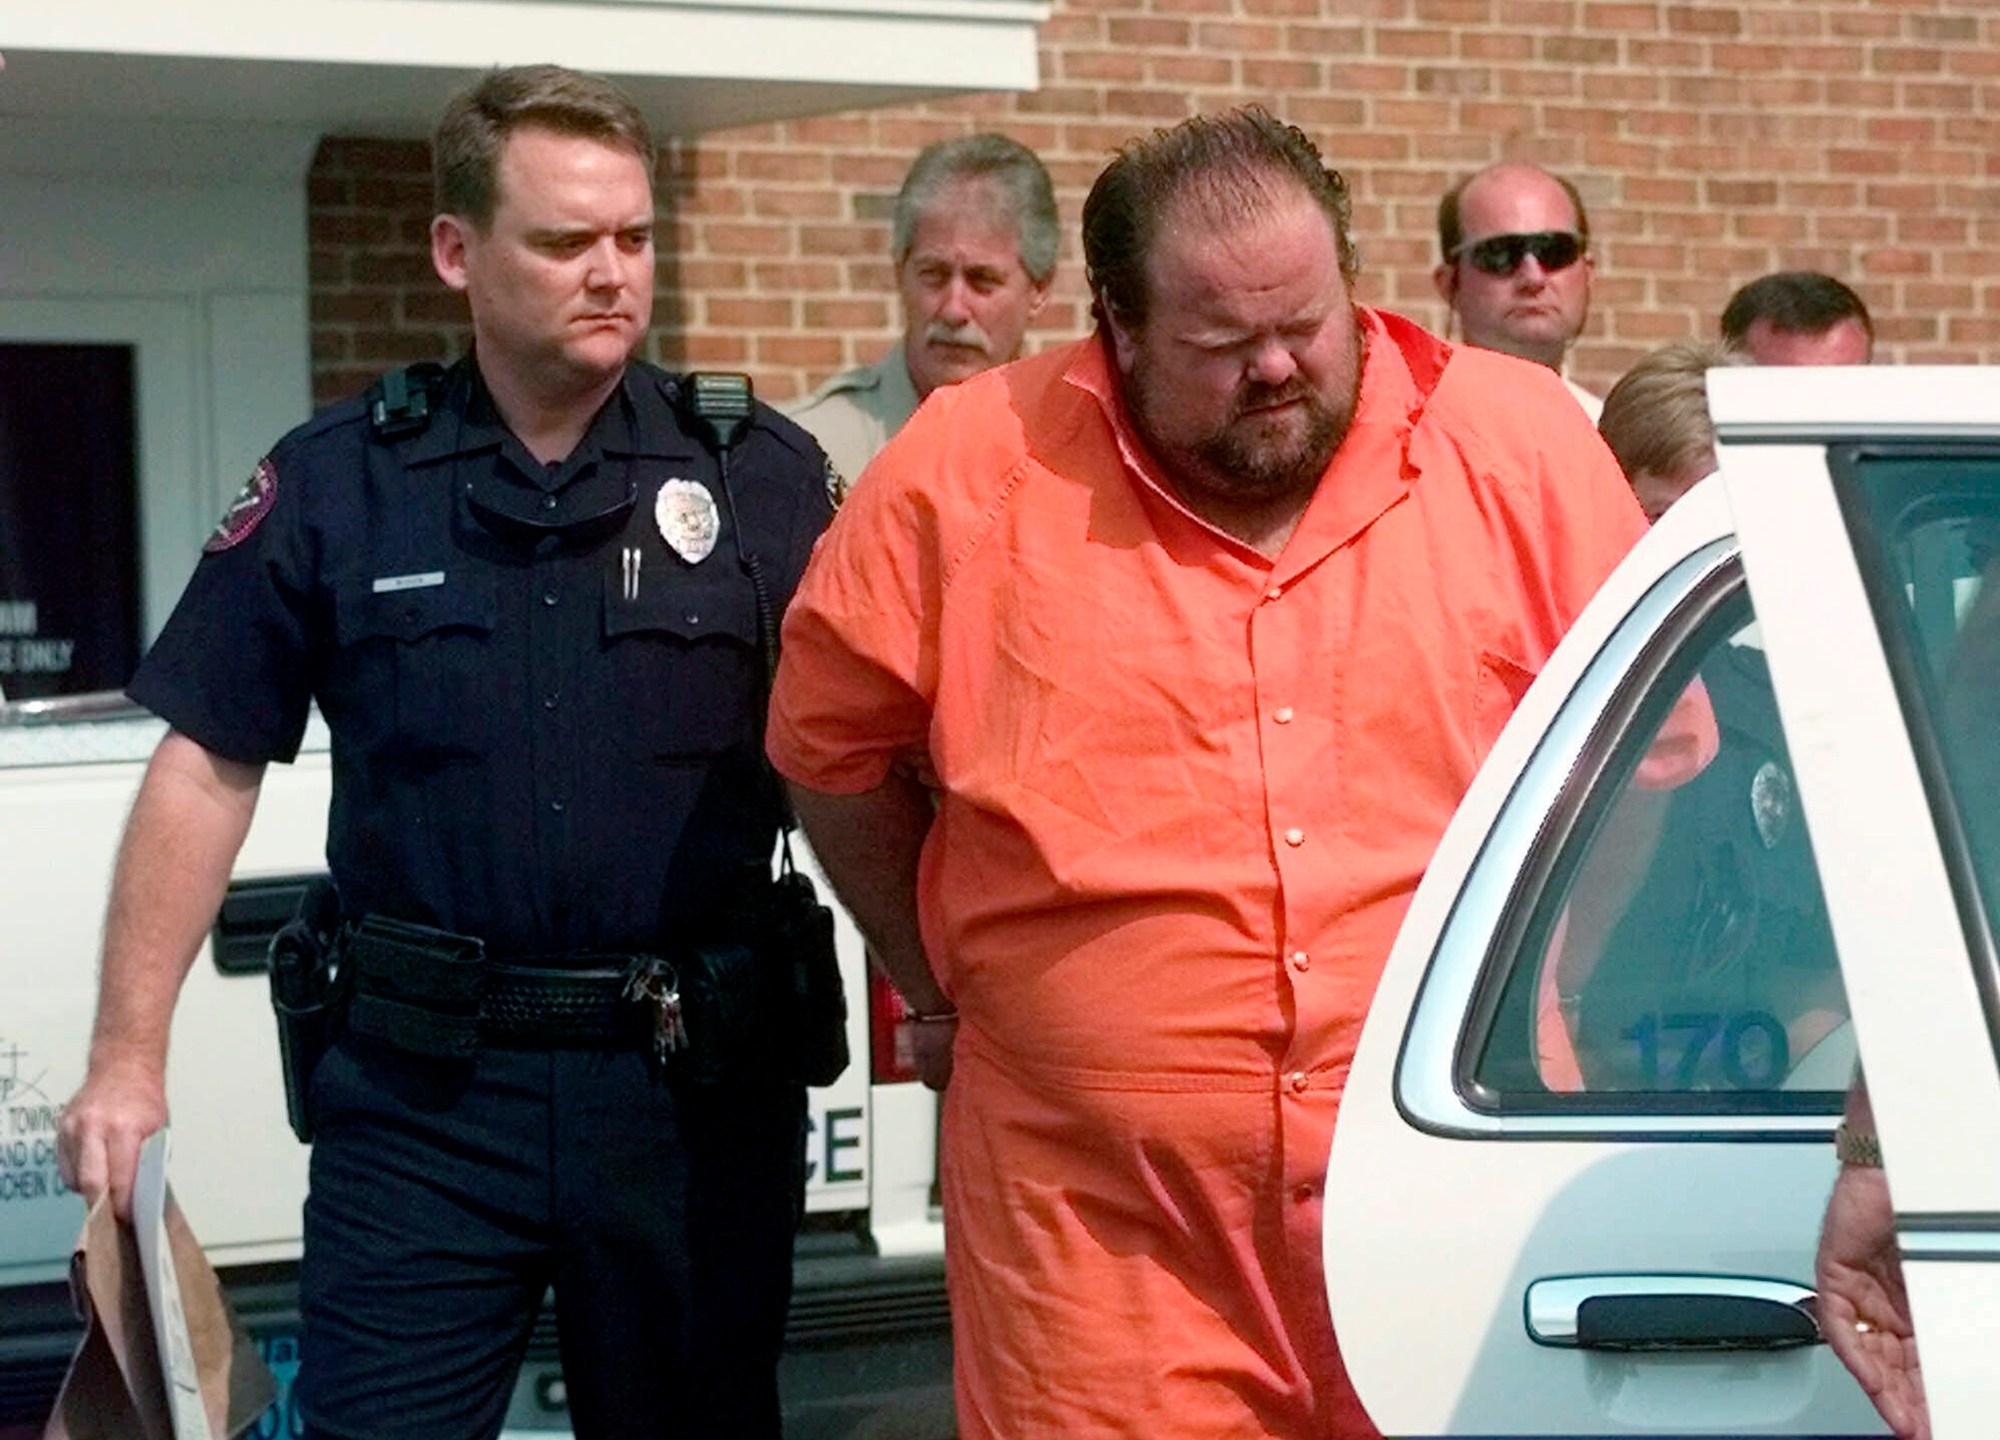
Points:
[69,519]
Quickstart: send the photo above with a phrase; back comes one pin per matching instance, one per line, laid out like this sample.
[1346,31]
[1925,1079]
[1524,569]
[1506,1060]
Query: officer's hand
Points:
[1864,1310]
[103,1126]
[930,1049]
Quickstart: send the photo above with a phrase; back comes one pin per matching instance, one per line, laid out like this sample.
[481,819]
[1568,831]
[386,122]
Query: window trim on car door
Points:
[1541,829]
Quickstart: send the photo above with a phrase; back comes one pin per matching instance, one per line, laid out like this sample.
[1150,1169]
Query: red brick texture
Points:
[1712,142]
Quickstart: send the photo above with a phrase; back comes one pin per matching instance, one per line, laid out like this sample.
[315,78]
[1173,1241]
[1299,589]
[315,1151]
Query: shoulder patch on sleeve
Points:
[836,485]
[247,511]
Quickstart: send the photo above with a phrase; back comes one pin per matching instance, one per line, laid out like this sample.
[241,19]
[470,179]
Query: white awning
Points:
[200,68]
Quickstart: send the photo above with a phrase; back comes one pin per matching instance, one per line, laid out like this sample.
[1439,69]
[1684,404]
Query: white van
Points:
[868,1347]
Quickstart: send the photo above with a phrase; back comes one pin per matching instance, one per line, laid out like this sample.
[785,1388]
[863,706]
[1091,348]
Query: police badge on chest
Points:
[688,520]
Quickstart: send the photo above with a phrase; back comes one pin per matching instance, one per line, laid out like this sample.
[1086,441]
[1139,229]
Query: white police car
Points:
[1578,1178]
[868,1338]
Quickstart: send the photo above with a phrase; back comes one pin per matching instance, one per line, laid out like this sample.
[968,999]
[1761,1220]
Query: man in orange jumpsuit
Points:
[1125,704]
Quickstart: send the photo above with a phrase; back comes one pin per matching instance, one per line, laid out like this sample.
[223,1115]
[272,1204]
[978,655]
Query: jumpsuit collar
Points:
[1370,471]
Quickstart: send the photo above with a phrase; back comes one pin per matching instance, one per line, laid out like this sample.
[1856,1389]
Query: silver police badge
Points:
[1771,803]
[688,519]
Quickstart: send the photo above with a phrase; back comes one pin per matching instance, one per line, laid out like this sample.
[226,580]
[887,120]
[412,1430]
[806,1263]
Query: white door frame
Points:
[171,449]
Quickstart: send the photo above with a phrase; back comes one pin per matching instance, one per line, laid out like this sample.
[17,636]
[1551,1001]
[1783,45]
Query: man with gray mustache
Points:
[974,241]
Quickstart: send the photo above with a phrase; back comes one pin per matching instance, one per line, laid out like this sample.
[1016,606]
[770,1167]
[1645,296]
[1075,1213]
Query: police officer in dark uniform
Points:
[1723,965]
[532,597]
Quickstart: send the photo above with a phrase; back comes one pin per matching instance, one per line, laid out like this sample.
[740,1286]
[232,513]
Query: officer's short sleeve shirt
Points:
[544,683]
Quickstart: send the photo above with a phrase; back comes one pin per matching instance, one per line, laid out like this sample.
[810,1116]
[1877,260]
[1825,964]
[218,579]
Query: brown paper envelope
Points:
[113,1390]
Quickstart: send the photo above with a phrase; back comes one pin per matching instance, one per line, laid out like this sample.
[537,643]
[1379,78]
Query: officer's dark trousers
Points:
[446,1198]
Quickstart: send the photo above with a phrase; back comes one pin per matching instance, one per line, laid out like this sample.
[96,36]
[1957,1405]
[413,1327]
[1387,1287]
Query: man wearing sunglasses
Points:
[1516,269]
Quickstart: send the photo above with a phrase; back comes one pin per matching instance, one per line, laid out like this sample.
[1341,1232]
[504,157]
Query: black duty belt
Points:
[584,1002]
[432,992]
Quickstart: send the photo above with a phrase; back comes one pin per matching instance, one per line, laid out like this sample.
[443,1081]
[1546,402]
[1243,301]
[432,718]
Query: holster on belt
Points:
[798,936]
[766,1001]
[305,994]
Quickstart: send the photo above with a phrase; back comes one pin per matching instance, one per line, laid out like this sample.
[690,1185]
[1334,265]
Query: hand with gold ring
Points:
[1864,1309]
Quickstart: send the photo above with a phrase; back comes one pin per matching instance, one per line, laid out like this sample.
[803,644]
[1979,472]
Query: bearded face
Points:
[1272,440]
[1243,379]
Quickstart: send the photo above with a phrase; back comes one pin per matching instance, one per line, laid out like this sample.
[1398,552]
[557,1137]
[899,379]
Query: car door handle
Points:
[250,915]
[1670,1312]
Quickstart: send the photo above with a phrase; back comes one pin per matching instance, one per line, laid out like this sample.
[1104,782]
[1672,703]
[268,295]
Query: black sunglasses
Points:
[1502,254]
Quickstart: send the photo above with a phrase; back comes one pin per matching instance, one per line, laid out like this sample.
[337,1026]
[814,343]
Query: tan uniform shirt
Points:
[854,414]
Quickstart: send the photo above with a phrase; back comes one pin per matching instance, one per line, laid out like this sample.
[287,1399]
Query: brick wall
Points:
[1712,142]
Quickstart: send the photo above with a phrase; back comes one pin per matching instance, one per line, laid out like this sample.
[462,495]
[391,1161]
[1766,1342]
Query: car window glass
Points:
[1928,539]
[1680,958]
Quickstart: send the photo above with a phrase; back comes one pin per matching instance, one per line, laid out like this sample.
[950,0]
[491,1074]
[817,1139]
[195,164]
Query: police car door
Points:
[1876,561]
[1576,1183]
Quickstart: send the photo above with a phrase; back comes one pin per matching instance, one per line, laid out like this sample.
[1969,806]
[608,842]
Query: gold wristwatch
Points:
[1856,1147]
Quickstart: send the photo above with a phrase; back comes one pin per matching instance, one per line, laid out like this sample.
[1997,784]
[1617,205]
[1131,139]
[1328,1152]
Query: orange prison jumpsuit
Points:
[1186,795]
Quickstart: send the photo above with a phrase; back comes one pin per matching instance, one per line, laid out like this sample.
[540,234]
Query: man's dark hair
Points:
[472,131]
[1798,302]
[1230,166]
[1008,165]
[1451,230]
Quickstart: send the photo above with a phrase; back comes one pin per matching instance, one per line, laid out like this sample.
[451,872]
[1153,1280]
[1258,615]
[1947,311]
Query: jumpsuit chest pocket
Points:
[420,660]
[686,659]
